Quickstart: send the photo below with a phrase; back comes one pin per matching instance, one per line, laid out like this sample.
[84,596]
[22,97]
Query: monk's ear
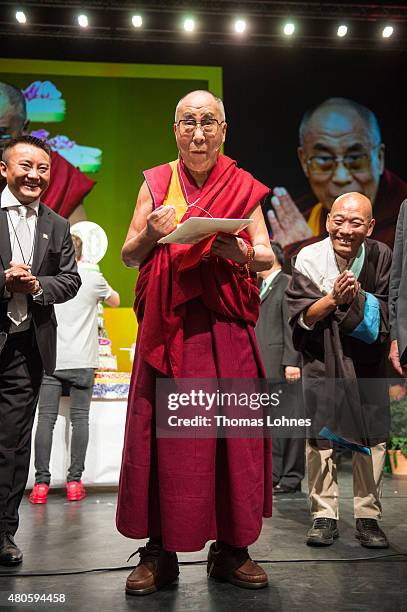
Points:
[303,161]
[3,168]
[224,128]
[328,223]
[174,127]
[370,228]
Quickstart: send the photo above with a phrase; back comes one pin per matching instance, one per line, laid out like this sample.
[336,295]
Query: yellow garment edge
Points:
[314,221]
[174,196]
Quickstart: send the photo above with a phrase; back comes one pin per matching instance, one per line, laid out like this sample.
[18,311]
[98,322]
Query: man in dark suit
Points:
[281,363]
[37,270]
[398,296]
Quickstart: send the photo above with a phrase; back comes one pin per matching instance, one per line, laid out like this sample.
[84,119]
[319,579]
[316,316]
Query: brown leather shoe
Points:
[234,565]
[157,568]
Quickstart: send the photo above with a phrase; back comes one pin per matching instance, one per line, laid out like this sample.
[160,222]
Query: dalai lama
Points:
[196,308]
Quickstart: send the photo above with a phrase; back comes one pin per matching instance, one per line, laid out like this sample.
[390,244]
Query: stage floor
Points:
[82,536]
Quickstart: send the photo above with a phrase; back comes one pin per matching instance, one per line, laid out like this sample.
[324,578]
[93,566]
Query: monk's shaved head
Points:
[338,108]
[198,98]
[354,201]
[349,223]
[200,130]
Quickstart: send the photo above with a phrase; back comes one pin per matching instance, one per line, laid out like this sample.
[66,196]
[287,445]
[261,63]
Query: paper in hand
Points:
[195,229]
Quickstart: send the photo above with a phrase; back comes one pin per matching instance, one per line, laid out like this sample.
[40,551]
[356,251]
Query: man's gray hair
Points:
[218,101]
[15,98]
[364,113]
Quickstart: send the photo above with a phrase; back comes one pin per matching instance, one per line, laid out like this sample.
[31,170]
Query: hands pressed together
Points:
[20,280]
[345,288]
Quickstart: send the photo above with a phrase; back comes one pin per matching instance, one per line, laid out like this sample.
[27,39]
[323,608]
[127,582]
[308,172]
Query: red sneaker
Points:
[39,494]
[75,490]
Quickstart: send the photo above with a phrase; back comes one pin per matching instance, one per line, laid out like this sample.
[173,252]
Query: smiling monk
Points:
[337,301]
[194,322]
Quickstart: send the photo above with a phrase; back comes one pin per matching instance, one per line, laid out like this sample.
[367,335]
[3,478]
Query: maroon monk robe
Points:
[194,324]
[67,188]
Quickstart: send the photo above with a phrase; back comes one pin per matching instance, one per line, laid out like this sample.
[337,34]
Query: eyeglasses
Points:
[208,126]
[355,163]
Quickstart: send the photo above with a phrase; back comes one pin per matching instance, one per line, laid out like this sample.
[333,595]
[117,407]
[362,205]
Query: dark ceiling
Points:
[316,23]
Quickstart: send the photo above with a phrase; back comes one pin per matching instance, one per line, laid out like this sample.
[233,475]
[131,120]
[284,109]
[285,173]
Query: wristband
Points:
[250,256]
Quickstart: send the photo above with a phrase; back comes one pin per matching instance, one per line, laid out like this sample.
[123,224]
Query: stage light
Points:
[240,26]
[289,29]
[189,25]
[387,31]
[342,31]
[20,16]
[137,21]
[83,21]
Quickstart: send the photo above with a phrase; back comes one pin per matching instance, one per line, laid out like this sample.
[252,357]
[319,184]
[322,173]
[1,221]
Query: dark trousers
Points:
[288,461]
[78,384]
[20,380]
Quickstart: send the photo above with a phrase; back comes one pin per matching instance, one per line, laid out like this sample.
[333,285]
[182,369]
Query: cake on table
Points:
[107,361]
[109,384]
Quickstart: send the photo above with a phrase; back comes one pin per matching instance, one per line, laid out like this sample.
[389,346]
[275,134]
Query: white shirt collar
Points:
[8,199]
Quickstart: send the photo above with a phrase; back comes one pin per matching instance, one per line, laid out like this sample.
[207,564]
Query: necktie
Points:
[17,306]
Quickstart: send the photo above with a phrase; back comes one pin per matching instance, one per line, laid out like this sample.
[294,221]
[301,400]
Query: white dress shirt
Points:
[11,203]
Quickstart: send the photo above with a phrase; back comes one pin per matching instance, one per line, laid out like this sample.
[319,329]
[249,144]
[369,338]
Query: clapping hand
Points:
[345,288]
[20,280]
[287,222]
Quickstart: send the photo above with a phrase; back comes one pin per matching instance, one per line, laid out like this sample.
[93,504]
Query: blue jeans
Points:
[78,384]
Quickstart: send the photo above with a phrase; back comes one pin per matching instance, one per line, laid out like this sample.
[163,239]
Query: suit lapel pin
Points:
[45,236]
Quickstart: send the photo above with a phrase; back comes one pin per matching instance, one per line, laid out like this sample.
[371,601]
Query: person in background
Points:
[281,363]
[77,359]
[398,296]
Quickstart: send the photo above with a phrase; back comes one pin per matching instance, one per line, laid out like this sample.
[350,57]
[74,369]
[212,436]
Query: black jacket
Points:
[55,267]
[273,332]
[398,286]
